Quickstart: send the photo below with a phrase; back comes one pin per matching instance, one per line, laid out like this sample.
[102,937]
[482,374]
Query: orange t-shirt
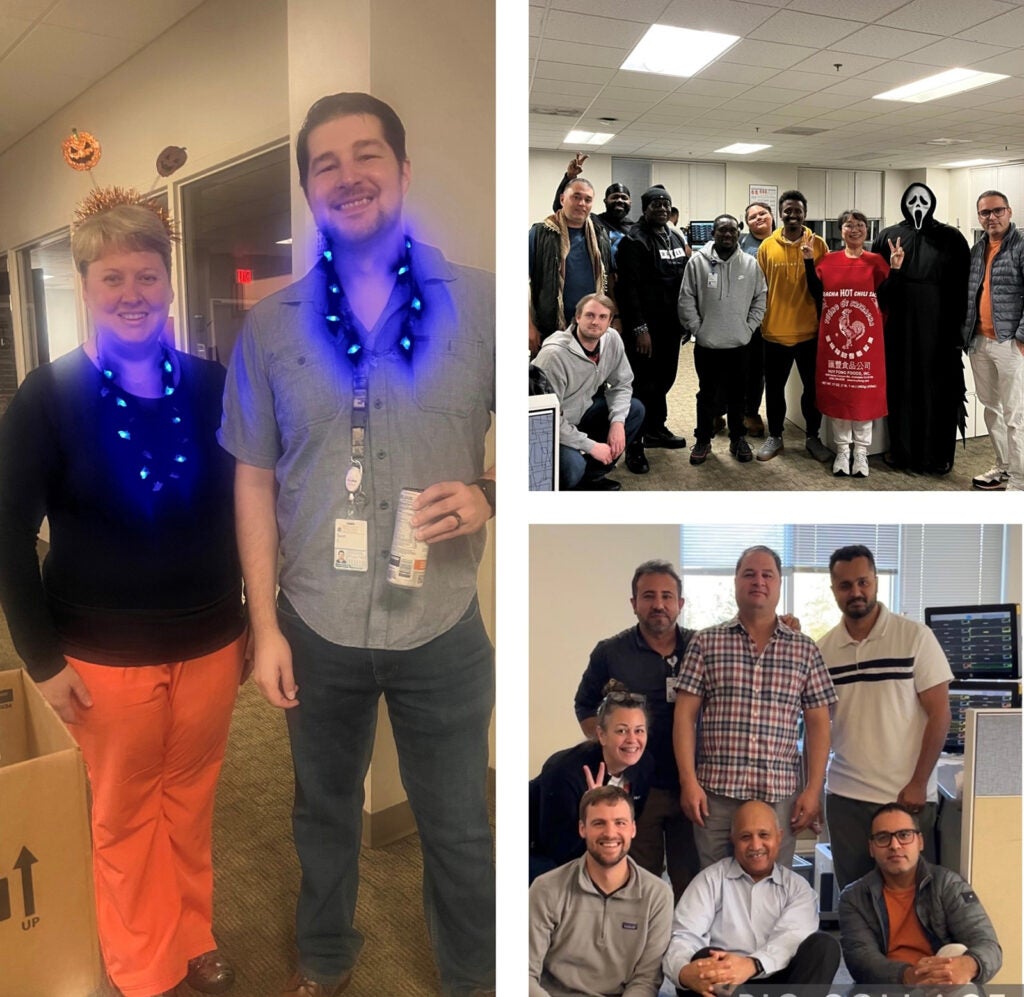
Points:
[985,325]
[907,940]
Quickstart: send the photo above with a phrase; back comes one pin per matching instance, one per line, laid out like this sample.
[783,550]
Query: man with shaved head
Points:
[749,918]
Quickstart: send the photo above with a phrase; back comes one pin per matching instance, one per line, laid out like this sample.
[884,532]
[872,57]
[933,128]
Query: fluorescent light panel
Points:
[969,162]
[672,51]
[587,138]
[743,148]
[941,85]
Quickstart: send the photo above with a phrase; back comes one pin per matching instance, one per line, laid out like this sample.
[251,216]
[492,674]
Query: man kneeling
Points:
[599,924]
[748,918]
[908,921]
[588,370]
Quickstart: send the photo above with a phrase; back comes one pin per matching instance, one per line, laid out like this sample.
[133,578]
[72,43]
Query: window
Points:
[918,566]
[48,292]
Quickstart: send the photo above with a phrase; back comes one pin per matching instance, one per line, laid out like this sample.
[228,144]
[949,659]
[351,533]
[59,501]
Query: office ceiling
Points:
[799,65]
[53,50]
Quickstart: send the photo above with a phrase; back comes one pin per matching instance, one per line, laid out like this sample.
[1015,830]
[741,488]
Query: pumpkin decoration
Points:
[171,160]
[81,150]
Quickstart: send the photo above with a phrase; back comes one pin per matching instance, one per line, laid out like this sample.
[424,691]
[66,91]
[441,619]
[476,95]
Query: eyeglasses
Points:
[993,212]
[904,836]
[854,225]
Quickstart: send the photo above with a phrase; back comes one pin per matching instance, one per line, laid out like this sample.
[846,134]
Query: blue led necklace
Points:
[342,328]
[158,461]
[341,324]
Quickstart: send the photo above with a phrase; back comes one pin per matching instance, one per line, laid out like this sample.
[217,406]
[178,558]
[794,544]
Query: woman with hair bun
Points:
[616,758]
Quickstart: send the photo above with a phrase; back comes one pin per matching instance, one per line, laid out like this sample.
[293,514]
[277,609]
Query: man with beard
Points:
[599,925]
[646,658]
[650,263]
[372,374]
[569,257]
[588,372]
[890,722]
[923,341]
[617,203]
[910,922]
[748,918]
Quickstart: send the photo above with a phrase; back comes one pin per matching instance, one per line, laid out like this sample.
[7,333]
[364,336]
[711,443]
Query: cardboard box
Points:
[48,943]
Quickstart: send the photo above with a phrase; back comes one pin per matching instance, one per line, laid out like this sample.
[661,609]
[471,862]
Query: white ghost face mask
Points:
[918,204]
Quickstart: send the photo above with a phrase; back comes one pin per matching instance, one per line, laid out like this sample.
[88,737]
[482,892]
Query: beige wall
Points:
[579,593]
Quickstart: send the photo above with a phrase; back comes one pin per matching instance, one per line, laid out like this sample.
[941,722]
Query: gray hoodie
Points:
[722,302]
[576,381]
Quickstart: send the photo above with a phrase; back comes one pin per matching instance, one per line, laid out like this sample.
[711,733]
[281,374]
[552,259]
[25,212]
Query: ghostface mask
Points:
[918,204]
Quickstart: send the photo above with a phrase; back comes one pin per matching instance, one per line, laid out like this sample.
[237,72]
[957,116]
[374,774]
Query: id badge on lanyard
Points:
[351,534]
[670,680]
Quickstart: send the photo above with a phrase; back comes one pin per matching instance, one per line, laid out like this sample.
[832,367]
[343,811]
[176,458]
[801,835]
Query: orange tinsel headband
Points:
[105,198]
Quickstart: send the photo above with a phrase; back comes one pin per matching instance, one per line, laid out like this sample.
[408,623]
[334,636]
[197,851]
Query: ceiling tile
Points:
[886,43]
[945,17]
[587,29]
[804,29]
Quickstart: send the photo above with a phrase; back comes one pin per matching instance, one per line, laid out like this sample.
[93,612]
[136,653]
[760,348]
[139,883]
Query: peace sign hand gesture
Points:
[807,246]
[896,254]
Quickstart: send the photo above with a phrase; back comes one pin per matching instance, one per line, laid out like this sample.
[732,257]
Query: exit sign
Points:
[243,276]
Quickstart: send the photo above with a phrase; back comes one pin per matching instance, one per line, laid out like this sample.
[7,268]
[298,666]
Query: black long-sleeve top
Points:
[133,576]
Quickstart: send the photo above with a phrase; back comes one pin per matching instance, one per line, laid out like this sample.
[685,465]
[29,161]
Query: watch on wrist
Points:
[758,968]
[487,486]
[640,330]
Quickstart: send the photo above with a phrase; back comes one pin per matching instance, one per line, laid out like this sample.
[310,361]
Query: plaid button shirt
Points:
[751,705]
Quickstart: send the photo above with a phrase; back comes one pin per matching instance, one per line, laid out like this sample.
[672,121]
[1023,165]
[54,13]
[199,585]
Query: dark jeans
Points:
[573,466]
[654,376]
[849,824]
[721,375]
[439,698]
[664,840]
[816,960]
[755,374]
[778,362]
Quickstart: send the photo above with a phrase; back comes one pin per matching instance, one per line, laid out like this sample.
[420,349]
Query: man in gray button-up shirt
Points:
[372,374]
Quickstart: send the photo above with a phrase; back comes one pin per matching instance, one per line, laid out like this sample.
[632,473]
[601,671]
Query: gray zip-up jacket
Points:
[722,302]
[577,380]
[1007,287]
[948,909]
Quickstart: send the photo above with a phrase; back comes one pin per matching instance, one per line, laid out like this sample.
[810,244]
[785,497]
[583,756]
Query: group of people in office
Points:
[357,394]
[661,846]
[873,334]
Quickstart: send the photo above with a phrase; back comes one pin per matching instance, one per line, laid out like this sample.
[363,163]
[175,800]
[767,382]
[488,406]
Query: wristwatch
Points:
[759,969]
[487,486]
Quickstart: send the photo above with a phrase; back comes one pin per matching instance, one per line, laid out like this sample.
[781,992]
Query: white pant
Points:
[999,381]
[847,431]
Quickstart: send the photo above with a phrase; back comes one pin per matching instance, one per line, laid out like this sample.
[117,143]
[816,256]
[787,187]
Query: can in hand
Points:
[407,564]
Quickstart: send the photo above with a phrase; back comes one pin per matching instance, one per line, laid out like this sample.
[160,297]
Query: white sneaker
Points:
[993,480]
[841,465]
[860,462]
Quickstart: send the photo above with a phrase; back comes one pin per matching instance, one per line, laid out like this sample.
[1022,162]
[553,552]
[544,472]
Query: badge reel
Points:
[350,534]
[670,680]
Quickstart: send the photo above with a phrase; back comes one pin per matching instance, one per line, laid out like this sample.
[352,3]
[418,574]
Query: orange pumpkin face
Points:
[81,150]
[171,159]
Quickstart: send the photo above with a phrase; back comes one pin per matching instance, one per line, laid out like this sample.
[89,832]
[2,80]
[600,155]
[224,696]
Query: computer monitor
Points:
[700,232]
[544,421]
[980,642]
[964,696]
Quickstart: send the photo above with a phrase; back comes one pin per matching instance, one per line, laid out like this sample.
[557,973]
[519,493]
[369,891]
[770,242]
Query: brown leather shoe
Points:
[210,973]
[301,985]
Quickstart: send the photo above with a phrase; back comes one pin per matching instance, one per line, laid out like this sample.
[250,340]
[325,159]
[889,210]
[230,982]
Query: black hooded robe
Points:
[923,342]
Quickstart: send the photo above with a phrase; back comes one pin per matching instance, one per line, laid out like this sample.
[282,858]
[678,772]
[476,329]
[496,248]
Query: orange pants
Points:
[153,743]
